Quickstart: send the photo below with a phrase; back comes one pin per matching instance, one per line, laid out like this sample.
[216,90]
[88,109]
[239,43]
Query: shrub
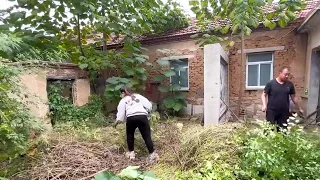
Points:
[260,152]
[271,155]
[214,143]
[16,122]
[63,110]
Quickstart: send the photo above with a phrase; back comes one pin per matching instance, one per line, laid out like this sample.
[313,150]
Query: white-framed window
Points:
[259,70]
[181,67]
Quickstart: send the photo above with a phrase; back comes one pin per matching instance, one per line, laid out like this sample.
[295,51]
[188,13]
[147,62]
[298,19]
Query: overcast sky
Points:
[184,4]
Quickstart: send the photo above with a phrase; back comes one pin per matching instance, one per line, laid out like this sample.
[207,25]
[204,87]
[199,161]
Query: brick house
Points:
[266,51]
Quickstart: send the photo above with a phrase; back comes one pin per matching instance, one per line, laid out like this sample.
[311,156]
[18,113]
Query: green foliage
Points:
[175,99]
[16,122]
[96,61]
[75,23]
[259,152]
[62,108]
[16,48]
[244,15]
[272,155]
[209,171]
[130,173]
[9,43]
[116,17]
[132,72]
[79,27]
[34,54]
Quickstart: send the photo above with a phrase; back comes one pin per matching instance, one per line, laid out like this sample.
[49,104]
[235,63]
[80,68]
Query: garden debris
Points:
[199,144]
[76,154]
[71,159]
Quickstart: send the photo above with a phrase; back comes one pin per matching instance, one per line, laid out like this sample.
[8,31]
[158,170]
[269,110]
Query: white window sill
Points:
[183,89]
[255,88]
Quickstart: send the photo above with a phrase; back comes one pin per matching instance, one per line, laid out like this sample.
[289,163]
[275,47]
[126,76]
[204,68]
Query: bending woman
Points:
[133,108]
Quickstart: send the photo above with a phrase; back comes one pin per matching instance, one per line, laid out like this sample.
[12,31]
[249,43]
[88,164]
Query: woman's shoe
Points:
[153,158]
[131,155]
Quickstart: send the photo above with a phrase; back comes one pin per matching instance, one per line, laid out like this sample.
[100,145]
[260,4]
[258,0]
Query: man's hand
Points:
[264,108]
[301,110]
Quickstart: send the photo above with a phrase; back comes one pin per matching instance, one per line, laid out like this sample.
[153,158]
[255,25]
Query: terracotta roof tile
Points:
[193,28]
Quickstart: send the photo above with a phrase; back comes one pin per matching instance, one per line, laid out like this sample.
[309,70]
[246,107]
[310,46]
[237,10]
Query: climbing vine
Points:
[62,108]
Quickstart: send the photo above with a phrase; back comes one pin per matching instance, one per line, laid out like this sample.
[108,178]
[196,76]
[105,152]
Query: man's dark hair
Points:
[283,68]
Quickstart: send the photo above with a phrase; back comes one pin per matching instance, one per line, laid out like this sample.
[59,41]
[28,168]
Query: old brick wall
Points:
[293,56]
[183,48]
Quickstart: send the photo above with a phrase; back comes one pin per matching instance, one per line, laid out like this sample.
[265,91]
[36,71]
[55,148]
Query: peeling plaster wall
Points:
[35,83]
[81,91]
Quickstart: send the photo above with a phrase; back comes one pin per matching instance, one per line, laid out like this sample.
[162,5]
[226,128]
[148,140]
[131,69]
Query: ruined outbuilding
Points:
[36,77]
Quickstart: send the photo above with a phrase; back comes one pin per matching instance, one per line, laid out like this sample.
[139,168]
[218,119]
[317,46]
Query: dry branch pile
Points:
[76,160]
[82,153]
[65,157]
[199,144]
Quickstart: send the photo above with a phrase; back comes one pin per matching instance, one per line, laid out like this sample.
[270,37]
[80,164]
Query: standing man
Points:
[275,99]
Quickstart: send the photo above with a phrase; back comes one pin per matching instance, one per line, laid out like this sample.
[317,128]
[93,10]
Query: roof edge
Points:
[43,64]
[308,17]
[186,36]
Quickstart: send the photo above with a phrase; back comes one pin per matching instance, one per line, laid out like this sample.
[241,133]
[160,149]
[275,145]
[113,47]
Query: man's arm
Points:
[294,98]
[295,101]
[264,98]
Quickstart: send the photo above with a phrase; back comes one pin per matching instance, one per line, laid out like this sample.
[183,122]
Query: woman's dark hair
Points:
[128,91]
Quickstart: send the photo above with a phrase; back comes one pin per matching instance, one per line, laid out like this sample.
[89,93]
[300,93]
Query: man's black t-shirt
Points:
[278,94]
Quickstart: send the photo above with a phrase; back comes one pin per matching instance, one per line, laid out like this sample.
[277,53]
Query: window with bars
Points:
[259,70]
[181,67]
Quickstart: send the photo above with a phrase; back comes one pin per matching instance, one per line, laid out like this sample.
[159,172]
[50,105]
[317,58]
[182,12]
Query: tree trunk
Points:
[241,74]
[79,35]
[105,49]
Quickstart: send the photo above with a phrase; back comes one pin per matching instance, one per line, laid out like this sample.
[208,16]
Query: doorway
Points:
[314,84]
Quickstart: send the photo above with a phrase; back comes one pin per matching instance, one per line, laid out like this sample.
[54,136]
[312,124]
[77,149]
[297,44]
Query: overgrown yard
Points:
[188,151]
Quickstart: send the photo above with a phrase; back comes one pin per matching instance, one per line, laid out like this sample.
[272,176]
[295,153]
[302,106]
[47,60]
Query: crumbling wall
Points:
[35,83]
[81,91]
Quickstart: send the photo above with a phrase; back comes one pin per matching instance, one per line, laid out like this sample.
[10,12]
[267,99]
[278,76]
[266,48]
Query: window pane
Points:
[260,57]
[175,79]
[179,63]
[252,75]
[184,78]
[265,72]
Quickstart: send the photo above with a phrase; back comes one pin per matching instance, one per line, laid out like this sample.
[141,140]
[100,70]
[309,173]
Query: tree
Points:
[71,20]
[71,24]
[241,17]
